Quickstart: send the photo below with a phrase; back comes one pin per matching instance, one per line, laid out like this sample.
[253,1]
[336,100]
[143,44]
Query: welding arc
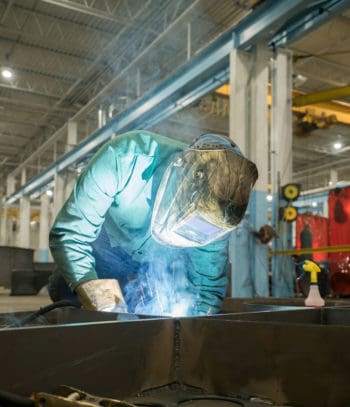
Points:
[14,400]
[42,311]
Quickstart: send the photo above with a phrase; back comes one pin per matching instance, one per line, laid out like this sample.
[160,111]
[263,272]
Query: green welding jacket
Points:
[115,193]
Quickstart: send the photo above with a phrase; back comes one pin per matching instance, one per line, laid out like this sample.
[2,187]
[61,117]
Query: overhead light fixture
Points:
[6,73]
[299,80]
[337,145]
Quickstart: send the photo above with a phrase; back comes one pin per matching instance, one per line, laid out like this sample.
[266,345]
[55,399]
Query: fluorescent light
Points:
[6,73]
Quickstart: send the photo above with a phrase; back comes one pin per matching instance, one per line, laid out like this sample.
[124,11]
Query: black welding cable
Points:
[32,317]
[8,399]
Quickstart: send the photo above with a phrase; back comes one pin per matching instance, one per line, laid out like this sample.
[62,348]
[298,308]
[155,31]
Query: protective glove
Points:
[101,295]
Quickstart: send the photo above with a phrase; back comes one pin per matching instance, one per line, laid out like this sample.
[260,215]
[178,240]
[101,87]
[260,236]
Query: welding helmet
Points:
[203,194]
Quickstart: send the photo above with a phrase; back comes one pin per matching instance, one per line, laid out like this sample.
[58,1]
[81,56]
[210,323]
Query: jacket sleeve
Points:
[79,221]
[208,275]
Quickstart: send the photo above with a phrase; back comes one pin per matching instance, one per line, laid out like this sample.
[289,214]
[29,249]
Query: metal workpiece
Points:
[64,316]
[299,360]
[233,305]
[264,359]
[111,359]
[276,355]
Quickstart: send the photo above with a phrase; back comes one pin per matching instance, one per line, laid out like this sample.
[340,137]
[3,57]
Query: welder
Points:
[146,227]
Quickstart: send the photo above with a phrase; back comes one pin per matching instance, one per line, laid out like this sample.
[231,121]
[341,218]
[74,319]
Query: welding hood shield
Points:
[203,194]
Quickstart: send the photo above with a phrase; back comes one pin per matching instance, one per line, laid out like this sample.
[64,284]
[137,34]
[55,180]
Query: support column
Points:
[138,83]
[242,284]
[43,253]
[72,140]
[3,227]
[59,194]
[333,177]
[240,72]
[10,185]
[101,117]
[72,135]
[71,178]
[23,232]
[249,129]
[258,148]
[281,167]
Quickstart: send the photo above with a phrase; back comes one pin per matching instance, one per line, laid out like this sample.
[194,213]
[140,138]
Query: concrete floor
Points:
[17,303]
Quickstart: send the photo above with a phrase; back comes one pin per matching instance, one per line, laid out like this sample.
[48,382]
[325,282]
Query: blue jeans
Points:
[147,287]
[110,262]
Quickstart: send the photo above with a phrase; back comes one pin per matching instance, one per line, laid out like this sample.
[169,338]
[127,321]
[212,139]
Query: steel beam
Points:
[6,12]
[104,12]
[266,21]
[308,20]
[201,75]
[247,354]
[322,96]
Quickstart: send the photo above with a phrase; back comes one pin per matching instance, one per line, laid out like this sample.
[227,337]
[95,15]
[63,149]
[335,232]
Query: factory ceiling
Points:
[87,60]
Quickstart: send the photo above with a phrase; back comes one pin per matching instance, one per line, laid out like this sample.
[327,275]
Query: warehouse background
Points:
[72,69]
[274,76]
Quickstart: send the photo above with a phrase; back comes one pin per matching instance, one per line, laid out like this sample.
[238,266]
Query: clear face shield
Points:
[203,195]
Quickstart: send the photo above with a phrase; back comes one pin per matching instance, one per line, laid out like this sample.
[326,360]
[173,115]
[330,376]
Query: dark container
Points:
[42,274]
[23,282]
[12,258]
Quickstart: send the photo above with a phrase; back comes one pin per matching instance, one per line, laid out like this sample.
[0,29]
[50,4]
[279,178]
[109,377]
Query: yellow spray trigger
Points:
[314,298]
[312,268]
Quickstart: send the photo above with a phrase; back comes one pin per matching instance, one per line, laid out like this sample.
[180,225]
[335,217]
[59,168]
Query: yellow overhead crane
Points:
[320,104]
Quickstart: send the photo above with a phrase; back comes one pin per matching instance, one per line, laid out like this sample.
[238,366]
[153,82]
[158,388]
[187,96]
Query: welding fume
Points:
[146,227]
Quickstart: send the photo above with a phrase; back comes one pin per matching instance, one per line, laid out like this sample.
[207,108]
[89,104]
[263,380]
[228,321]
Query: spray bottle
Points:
[314,298]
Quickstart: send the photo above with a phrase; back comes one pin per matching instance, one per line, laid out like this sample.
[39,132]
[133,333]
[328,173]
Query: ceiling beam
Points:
[317,169]
[319,12]
[26,88]
[28,105]
[106,14]
[6,11]
[18,122]
[11,135]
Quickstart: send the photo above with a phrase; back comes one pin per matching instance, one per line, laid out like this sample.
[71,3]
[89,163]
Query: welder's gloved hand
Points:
[101,295]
